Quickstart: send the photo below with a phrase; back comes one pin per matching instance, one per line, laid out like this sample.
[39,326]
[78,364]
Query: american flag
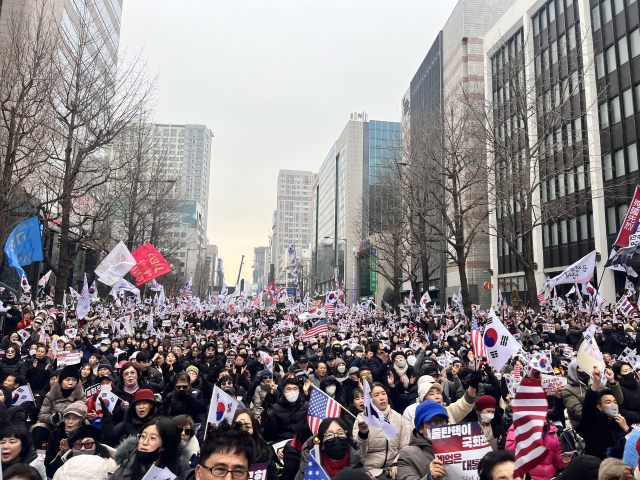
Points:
[516,371]
[479,349]
[314,470]
[623,306]
[319,328]
[321,407]
[331,307]
[529,414]
[187,290]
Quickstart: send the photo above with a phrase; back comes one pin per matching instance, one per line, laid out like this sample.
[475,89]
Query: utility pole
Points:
[240,270]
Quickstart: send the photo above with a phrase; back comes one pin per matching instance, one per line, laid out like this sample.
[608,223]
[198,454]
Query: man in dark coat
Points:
[287,411]
[378,363]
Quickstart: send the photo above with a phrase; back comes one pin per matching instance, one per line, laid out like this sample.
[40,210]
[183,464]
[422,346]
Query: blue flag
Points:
[24,245]
[314,471]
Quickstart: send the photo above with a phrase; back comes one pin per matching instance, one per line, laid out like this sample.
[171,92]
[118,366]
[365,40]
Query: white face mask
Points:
[487,417]
[301,348]
[220,350]
[104,349]
[32,352]
[348,354]
[331,390]
[106,387]
[341,369]
[435,350]
[291,396]
[401,364]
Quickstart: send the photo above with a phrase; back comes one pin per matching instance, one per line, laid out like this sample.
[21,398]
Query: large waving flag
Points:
[499,343]
[115,265]
[579,272]
[319,328]
[529,415]
[24,245]
[424,301]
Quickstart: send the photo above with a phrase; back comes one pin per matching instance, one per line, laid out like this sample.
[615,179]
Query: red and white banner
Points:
[630,223]
[149,264]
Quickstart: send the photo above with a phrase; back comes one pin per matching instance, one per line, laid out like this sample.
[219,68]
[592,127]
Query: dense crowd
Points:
[420,369]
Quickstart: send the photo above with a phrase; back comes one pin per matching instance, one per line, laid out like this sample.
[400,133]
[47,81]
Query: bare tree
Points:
[27,74]
[537,151]
[445,183]
[93,101]
[387,224]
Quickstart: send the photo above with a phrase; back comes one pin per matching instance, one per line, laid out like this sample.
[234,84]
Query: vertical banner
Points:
[373,282]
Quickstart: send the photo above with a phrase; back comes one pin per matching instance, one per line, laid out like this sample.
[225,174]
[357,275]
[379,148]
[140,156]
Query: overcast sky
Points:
[275,81]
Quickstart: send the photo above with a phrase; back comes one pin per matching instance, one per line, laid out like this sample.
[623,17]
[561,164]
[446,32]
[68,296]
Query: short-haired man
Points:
[153,376]
[378,362]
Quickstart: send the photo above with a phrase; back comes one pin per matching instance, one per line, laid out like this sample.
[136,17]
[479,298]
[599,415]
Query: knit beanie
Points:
[85,431]
[69,371]
[78,408]
[630,456]
[611,469]
[192,368]
[105,364]
[485,401]
[291,381]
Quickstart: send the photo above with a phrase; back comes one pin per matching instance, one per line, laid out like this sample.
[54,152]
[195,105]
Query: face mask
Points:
[348,354]
[487,417]
[32,352]
[611,411]
[104,349]
[331,390]
[498,376]
[147,458]
[428,434]
[455,338]
[341,369]
[291,396]
[106,387]
[77,343]
[401,364]
[629,377]
[301,348]
[583,376]
[83,452]
[220,350]
[358,354]
[336,448]
[435,350]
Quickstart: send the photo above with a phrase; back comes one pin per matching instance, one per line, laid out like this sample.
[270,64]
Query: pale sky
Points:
[275,81]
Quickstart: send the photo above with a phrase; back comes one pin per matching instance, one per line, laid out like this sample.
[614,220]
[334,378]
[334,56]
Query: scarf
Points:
[131,389]
[334,467]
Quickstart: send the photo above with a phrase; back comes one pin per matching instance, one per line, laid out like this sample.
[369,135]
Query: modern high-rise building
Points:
[454,62]
[292,218]
[259,265]
[585,60]
[345,178]
[212,261]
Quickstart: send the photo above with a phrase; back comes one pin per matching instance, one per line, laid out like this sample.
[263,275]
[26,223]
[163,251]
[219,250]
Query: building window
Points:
[536,25]
[606,12]
[573,230]
[616,114]
[545,236]
[611,221]
[543,19]
[582,178]
[611,58]
[618,6]
[600,65]
[619,160]
[551,6]
[595,18]
[584,228]
[543,190]
[623,52]
[571,187]
[622,211]
[627,102]
[634,39]
[608,166]
[604,115]
[632,157]
[563,232]
[554,235]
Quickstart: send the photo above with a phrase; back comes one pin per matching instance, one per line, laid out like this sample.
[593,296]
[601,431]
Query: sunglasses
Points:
[87,445]
[182,387]
[188,431]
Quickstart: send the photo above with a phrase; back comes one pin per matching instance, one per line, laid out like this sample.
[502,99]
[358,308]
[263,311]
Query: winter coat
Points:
[13,366]
[111,464]
[259,395]
[154,379]
[130,469]
[53,460]
[290,462]
[599,432]
[380,453]
[113,431]
[356,460]
[631,392]
[38,376]
[494,431]
[281,420]
[88,467]
[379,370]
[266,456]
[32,460]
[56,402]
[191,403]
[552,460]
[414,460]
[456,411]
[574,392]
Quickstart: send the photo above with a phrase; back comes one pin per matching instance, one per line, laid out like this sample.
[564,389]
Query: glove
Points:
[56,418]
[105,410]
[474,381]
[363,427]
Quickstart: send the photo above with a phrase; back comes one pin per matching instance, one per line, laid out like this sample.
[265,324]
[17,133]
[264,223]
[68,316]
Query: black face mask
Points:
[77,343]
[584,377]
[147,458]
[629,377]
[336,448]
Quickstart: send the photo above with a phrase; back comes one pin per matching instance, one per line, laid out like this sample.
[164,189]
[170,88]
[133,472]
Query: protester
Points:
[17,447]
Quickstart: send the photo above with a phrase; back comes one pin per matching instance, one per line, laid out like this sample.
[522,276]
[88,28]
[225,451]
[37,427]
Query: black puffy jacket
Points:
[13,366]
[38,376]
[281,420]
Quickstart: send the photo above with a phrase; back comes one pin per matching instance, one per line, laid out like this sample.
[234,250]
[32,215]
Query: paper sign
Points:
[589,356]
[258,471]
[69,358]
[89,391]
[549,383]
[281,342]
[42,454]
[548,328]
[460,447]
[156,473]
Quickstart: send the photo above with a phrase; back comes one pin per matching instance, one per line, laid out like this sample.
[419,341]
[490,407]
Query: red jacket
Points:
[553,458]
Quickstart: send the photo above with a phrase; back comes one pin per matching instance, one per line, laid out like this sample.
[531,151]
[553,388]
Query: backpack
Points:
[571,442]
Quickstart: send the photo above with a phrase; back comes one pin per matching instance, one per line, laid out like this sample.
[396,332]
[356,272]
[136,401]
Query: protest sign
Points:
[589,356]
[69,358]
[257,471]
[460,447]
[231,359]
[89,391]
[549,383]
[281,342]
[548,328]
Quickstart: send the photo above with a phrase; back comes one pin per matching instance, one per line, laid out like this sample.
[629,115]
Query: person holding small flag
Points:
[333,449]
[290,409]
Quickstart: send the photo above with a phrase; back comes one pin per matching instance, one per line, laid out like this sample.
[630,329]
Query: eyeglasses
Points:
[182,387]
[340,434]
[245,425]
[129,374]
[87,445]
[144,438]
[222,472]
[187,431]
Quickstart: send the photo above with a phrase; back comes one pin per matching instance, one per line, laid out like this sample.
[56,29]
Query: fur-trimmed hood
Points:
[125,454]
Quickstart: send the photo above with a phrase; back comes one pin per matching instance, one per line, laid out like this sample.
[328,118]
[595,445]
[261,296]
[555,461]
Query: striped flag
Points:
[321,406]
[529,414]
[319,328]
[624,307]
[516,371]
[479,349]
[330,307]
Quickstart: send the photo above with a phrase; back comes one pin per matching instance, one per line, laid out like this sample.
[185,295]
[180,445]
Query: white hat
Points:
[427,385]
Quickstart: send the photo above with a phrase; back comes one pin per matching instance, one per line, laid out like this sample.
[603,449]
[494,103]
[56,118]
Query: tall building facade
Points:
[585,59]
[260,265]
[345,178]
[454,62]
[292,218]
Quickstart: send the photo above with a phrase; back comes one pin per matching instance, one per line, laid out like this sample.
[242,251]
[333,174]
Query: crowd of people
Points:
[419,367]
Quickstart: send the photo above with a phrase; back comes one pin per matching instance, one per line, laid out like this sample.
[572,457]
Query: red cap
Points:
[146,394]
[485,401]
